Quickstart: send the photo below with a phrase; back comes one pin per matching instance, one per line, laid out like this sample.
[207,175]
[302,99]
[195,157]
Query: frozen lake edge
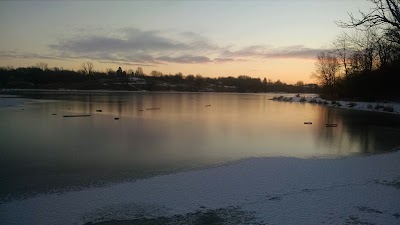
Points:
[272,190]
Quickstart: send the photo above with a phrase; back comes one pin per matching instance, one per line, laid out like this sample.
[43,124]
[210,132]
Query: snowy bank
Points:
[388,107]
[354,190]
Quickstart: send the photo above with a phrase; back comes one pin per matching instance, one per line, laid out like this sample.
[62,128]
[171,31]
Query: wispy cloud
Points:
[134,40]
[28,55]
[297,51]
[137,46]
[132,46]
[185,59]
[260,51]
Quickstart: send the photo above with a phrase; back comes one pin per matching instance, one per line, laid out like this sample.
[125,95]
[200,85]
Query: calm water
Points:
[42,152]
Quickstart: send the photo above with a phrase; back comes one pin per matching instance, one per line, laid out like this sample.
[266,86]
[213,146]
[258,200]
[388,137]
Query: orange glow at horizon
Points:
[286,70]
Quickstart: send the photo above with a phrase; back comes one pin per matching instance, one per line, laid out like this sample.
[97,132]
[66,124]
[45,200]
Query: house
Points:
[136,80]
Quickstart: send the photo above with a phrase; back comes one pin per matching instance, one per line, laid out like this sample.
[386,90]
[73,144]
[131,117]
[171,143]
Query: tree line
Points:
[41,76]
[364,63]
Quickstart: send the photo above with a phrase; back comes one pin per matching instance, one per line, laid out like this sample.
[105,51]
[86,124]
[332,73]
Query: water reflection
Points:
[41,151]
[358,132]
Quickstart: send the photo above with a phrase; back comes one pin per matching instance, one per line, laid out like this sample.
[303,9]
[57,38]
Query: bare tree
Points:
[356,62]
[87,68]
[364,49]
[42,65]
[327,68]
[385,14]
[343,48]
[110,72]
[139,71]
[156,73]
[130,72]
[386,52]
[299,83]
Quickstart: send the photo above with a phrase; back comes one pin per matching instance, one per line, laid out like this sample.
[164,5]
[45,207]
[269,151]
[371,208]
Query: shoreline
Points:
[250,191]
[382,107]
[13,90]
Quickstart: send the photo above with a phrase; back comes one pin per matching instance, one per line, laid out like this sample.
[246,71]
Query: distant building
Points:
[136,80]
[311,86]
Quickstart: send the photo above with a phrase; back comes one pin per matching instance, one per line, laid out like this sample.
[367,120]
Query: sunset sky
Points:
[271,39]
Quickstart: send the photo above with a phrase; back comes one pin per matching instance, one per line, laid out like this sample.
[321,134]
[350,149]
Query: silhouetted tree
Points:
[343,48]
[189,78]
[130,72]
[119,71]
[384,15]
[265,81]
[139,71]
[87,68]
[178,77]
[41,65]
[327,68]
[299,83]
[155,73]
[110,72]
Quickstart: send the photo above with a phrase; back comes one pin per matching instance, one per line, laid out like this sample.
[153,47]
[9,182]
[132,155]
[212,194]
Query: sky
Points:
[267,39]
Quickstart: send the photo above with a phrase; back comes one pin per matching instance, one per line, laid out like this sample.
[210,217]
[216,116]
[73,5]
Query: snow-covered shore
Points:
[353,190]
[387,107]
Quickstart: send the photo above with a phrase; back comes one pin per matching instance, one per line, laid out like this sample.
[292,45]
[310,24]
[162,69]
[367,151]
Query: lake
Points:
[160,133]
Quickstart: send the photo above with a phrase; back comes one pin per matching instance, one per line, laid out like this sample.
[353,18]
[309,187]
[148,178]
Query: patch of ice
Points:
[7,101]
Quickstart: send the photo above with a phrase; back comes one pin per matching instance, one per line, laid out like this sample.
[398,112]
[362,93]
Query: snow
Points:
[355,190]
[387,107]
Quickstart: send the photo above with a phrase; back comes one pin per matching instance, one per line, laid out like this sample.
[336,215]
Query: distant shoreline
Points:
[11,90]
[379,106]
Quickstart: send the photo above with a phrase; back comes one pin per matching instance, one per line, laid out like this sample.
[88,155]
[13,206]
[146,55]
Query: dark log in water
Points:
[331,125]
[76,115]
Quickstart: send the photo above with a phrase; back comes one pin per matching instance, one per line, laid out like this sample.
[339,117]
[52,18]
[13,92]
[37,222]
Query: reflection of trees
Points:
[357,131]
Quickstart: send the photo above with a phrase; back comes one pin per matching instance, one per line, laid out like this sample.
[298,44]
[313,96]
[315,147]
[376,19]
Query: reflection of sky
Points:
[245,125]
[278,39]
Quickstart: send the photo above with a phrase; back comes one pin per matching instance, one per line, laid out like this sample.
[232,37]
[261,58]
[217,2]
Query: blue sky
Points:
[273,39]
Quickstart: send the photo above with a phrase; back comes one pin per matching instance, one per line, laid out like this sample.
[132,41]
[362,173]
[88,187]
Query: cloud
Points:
[296,51]
[131,40]
[185,59]
[125,63]
[224,60]
[132,46]
[29,55]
